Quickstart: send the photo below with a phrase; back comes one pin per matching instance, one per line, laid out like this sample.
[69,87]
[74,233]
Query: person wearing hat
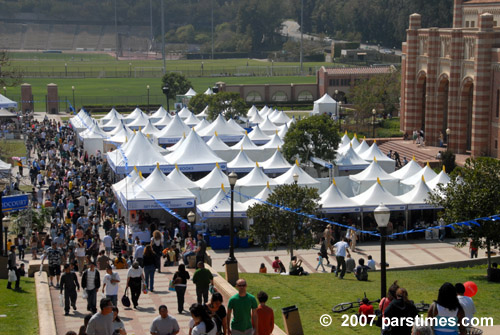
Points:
[91,282]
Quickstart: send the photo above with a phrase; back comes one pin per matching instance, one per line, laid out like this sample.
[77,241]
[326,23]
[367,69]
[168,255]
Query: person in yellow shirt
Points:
[70,185]
[9,244]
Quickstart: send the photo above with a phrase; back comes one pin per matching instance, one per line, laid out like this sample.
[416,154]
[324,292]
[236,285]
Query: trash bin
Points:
[291,320]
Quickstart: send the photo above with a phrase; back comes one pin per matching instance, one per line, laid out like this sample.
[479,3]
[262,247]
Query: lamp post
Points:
[66,69]
[192,220]
[202,69]
[147,87]
[215,89]
[374,112]
[130,70]
[448,133]
[73,89]
[295,181]
[339,114]
[165,90]
[231,262]
[382,215]
[4,91]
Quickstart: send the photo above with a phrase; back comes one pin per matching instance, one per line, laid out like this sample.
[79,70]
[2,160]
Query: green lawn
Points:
[20,308]
[11,148]
[316,294]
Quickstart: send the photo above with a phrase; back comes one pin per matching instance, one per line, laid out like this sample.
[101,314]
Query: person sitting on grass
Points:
[366,308]
[262,268]
[361,272]
[295,268]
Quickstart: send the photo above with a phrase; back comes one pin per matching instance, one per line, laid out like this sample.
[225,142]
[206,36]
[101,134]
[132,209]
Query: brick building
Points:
[451,79]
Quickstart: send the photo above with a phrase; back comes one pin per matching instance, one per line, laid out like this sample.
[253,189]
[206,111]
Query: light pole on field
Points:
[382,215]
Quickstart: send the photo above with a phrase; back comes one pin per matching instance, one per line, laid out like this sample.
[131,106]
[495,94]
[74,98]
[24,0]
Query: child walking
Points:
[320,262]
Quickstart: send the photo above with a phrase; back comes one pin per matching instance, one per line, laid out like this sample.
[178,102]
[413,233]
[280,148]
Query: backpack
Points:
[364,273]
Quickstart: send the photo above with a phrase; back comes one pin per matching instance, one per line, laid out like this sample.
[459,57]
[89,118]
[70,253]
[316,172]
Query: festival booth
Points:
[333,201]
[149,129]
[203,124]
[176,145]
[204,114]
[80,121]
[257,136]
[139,122]
[371,175]
[349,162]
[362,147]
[259,198]
[139,152]
[182,181]
[280,118]
[226,132]
[282,130]
[252,111]
[173,132]
[241,163]
[388,164]
[325,105]
[274,142]
[442,178]
[345,140]
[252,183]
[211,183]
[410,182]
[221,149]
[268,127]
[184,113]
[191,121]
[134,115]
[304,178]
[255,119]
[158,115]
[276,164]
[5,169]
[208,91]
[6,102]
[163,122]
[265,111]
[253,151]
[111,124]
[113,113]
[156,192]
[194,155]
[93,139]
[410,169]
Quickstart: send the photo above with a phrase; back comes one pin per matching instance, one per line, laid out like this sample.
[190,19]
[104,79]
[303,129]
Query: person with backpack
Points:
[361,272]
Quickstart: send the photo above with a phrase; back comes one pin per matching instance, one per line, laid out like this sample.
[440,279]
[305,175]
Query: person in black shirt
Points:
[180,284]
[201,249]
[69,285]
[218,312]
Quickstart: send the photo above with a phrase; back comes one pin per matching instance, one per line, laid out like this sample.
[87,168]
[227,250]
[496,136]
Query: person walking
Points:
[149,261]
[102,323]
[134,281]
[110,285]
[218,313]
[180,284]
[201,322]
[56,258]
[157,245]
[265,315]
[91,281]
[341,251]
[69,285]
[201,250]
[202,278]
[244,305]
[164,324]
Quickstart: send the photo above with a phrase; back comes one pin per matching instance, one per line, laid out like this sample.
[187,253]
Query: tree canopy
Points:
[177,83]
[316,136]
[473,193]
[273,226]
[229,104]
[9,76]
[198,103]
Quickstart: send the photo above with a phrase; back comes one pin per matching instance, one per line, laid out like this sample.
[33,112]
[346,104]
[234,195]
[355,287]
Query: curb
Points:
[46,321]
[445,265]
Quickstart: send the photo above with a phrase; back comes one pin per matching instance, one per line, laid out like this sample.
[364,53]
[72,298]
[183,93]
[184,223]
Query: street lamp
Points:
[382,215]
[215,89]
[66,69]
[130,70]
[339,113]
[295,181]
[202,68]
[147,87]
[448,133]
[374,112]
[231,262]
[74,106]
[4,91]
[165,90]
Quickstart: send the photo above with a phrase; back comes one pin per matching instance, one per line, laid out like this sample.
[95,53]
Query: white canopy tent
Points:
[276,163]
[376,194]
[190,93]
[416,198]
[157,190]
[408,183]
[111,124]
[93,139]
[257,136]
[221,149]
[203,123]
[345,140]
[134,115]
[252,111]
[208,91]
[7,103]
[388,164]
[253,182]
[350,160]
[325,105]
[182,181]
[225,131]
[304,178]
[334,201]
[220,207]
[203,114]
[163,122]
[173,131]
[253,151]
[442,178]
[176,145]
[140,121]
[256,119]
[5,169]
[194,155]
[268,127]
[113,113]
[158,115]
[282,130]
[410,169]
[211,183]
[184,113]
[371,175]
[241,163]
[149,129]
[192,120]
[262,195]
[280,118]
[121,136]
[362,147]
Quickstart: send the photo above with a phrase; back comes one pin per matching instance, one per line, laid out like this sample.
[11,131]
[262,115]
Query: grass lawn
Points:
[317,293]
[20,308]
[11,148]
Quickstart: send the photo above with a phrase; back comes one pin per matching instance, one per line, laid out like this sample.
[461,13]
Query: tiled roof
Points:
[359,70]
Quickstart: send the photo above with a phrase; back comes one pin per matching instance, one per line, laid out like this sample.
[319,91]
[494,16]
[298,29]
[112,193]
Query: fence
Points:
[141,72]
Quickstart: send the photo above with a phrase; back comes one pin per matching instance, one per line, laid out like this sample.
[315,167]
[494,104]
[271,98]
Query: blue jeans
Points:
[149,274]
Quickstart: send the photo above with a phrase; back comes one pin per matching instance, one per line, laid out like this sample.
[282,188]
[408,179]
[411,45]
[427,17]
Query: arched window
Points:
[305,96]
[253,96]
[280,96]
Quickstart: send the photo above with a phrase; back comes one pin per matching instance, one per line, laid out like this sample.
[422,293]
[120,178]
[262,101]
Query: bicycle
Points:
[344,306]
[422,306]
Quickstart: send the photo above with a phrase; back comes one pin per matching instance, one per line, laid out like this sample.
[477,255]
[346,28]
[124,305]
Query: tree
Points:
[198,103]
[229,104]
[177,83]
[8,76]
[473,193]
[273,226]
[315,136]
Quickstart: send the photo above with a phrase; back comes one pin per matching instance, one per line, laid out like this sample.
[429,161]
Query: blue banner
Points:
[14,202]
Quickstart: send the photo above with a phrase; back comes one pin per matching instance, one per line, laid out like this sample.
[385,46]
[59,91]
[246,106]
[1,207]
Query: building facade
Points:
[450,84]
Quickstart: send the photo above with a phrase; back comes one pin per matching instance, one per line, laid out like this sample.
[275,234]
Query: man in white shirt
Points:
[110,285]
[341,251]
[108,244]
[466,302]
[371,263]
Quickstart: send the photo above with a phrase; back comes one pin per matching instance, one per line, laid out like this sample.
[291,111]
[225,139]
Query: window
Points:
[496,144]
[253,97]
[345,82]
[466,24]
[333,82]
[305,96]
[279,96]
[472,24]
